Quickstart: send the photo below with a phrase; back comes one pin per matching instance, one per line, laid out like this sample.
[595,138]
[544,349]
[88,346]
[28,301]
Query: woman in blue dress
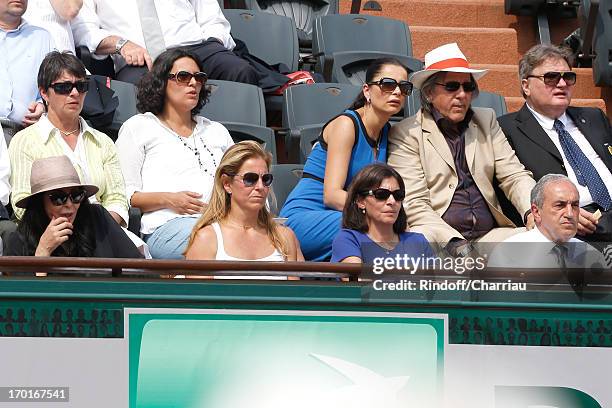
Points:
[348,142]
[374,221]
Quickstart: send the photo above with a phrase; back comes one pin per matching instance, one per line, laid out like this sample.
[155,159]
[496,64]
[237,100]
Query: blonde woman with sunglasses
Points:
[236,224]
[348,142]
[169,154]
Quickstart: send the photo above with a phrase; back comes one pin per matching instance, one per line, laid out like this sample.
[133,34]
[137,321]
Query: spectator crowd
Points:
[442,181]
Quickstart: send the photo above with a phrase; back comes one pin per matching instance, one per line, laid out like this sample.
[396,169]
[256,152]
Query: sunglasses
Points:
[64,88]
[184,77]
[552,78]
[453,86]
[382,194]
[250,179]
[389,85]
[60,197]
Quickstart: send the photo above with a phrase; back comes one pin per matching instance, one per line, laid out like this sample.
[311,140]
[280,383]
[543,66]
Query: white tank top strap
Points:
[221,254]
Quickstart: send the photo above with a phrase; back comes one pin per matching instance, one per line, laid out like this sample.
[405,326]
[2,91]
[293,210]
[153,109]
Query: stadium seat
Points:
[306,108]
[126,92]
[302,12]
[491,100]
[602,65]
[347,43]
[286,176]
[270,37]
[234,102]
[241,109]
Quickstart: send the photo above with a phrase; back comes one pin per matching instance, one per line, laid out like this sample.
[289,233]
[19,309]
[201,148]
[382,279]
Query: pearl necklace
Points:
[66,134]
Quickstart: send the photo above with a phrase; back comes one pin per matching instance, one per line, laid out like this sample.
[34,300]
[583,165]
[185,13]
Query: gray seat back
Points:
[349,42]
[286,177]
[235,102]
[491,100]
[306,105]
[302,12]
[270,37]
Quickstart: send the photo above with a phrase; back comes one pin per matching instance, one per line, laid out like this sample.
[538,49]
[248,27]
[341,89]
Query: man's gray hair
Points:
[430,83]
[537,193]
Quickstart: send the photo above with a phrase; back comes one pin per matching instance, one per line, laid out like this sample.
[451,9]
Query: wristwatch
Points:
[120,43]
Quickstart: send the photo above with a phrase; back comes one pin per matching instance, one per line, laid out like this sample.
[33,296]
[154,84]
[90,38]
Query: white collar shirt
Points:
[40,13]
[532,249]
[183,22]
[156,159]
[585,146]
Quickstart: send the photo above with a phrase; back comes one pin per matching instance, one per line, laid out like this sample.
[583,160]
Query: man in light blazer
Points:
[549,136]
[449,154]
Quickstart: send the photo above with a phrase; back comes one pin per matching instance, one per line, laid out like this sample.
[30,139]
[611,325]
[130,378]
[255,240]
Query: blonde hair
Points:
[220,202]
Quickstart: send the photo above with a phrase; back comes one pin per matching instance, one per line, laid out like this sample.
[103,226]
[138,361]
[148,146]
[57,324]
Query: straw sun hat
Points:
[445,58]
[53,173]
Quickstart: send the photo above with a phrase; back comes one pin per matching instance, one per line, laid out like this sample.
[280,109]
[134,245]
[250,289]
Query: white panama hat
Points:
[445,58]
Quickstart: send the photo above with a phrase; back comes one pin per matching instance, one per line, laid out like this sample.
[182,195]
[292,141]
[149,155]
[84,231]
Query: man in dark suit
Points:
[549,136]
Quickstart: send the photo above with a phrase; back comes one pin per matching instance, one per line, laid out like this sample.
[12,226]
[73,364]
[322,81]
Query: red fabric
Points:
[295,78]
[449,63]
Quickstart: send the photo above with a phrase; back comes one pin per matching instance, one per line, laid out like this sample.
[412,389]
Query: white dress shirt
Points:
[183,22]
[532,249]
[155,159]
[40,13]
[585,146]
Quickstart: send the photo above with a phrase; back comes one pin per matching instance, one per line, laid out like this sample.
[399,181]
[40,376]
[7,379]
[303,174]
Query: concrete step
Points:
[515,103]
[503,79]
[474,42]
[468,13]
[449,13]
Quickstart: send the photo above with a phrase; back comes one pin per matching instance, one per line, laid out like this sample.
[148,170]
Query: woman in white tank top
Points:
[236,225]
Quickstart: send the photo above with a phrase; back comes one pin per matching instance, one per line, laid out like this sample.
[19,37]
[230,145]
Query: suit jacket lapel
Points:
[437,140]
[531,128]
[471,140]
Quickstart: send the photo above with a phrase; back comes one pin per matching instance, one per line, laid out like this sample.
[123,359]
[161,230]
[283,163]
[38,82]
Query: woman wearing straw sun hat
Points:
[59,220]
[449,154]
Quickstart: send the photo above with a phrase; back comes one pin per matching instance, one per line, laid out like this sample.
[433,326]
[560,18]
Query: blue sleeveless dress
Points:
[314,224]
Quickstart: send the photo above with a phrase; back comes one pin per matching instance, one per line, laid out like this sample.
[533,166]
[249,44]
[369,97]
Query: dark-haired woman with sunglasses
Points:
[374,221]
[62,83]
[236,224]
[169,154]
[348,142]
[59,220]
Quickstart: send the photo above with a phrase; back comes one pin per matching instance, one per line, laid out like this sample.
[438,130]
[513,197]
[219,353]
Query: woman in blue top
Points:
[374,221]
[347,143]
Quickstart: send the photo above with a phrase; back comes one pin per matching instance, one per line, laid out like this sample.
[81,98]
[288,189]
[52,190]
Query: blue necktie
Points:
[586,174]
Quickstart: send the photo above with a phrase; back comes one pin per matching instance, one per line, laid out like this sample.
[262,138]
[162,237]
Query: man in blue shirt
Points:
[22,48]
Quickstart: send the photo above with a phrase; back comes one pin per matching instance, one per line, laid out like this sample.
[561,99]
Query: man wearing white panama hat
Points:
[449,154]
